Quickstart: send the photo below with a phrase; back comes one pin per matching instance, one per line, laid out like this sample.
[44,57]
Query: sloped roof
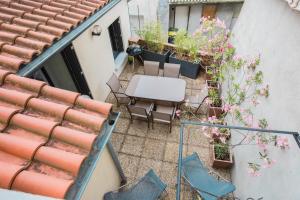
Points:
[203,1]
[28,27]
[46,134]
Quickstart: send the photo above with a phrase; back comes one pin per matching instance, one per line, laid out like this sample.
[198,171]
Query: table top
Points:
[157,88]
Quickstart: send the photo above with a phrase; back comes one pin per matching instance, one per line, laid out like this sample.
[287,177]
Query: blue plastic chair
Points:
[150,187]
[208,187]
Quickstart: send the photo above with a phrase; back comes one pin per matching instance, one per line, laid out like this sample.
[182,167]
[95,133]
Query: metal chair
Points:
[201,180]
[140,109]
[150,187]
[171,70]
[195,102]
[151,68]
[164,114]
[117,90]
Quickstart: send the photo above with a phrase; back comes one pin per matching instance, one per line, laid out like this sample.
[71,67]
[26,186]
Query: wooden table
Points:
[157,88]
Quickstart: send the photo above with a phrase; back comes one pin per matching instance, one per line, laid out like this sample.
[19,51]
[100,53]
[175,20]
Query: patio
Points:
[140,149]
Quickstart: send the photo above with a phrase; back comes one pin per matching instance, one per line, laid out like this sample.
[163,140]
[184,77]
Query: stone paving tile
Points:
[171,152]
[133,145]
[169,174]
[160,131]
[129,164]
[111,99]
[147,164]
[196,137]
[203,153]
[154,149]
[138,128]
[122,125]
[122,109]
[117,140]
[174,136]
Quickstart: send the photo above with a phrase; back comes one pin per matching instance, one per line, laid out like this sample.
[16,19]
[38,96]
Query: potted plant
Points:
[221,156]
[214,103]
[186,54]
[171,35]
[153,43]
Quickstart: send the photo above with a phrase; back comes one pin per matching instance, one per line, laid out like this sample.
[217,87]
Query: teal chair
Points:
[200,179]
[149,187]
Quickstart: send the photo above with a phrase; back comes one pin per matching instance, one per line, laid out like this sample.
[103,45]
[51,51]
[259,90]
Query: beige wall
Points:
[95,53]
[105,178]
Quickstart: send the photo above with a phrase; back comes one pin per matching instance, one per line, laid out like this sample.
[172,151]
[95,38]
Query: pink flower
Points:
[248,120]
[253,172]
[178,112]
[268,163]
[226,107]
[229,45]
[212,119]
[282,142]
[261,144]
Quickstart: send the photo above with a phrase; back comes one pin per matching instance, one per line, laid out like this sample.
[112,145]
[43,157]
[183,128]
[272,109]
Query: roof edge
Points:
[65,40]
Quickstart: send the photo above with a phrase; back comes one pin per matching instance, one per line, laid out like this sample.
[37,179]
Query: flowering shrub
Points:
[244,90]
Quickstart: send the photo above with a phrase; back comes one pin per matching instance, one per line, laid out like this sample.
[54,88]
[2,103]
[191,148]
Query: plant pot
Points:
[152,56]
[224,164]
[214,111]
[213,85]
[208,75]
[187,69]
[206,60]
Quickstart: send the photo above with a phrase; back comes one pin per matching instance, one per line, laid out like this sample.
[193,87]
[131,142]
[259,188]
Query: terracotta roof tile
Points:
[8,172]
[5,116]
[31,26]
[38,183]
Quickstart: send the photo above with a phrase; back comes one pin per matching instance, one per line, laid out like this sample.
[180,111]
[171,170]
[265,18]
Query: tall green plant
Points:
[153,36]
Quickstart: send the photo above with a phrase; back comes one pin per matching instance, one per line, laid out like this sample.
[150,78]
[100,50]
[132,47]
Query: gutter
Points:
[65,40]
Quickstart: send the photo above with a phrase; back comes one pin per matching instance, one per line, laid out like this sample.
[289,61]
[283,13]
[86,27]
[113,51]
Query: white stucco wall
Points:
[271,28]
[95,52]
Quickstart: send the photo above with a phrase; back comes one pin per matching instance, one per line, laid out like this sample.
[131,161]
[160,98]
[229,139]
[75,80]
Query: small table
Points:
[157,88]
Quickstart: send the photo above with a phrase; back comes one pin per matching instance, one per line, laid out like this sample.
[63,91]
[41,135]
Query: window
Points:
[116,40]
[209,10]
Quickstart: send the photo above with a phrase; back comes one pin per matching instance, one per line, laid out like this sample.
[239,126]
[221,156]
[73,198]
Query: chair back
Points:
[161,116]
[151,68]
[133,109]
[171,70]
[114,83]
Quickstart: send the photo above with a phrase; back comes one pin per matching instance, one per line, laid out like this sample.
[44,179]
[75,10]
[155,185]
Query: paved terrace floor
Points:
[140,149]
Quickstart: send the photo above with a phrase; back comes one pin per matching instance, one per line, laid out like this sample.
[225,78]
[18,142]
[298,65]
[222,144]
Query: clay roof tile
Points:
[15,98]
[57,158]
[41,184]
[8,171]
[23,84]
[38,126]
[59,95]
[5,116]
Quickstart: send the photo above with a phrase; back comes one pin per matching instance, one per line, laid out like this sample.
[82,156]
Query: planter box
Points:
[187,69]
[208,76]
[152,56]
[213,85]
[214,111]
[224,164]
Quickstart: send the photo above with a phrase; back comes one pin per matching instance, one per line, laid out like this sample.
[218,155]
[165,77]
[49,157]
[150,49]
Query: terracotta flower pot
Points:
[208,76]
[214,111]
[224,164]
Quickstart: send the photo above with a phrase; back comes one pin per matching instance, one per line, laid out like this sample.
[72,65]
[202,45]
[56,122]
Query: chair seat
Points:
[147,106]
[199,178]
[165,109]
